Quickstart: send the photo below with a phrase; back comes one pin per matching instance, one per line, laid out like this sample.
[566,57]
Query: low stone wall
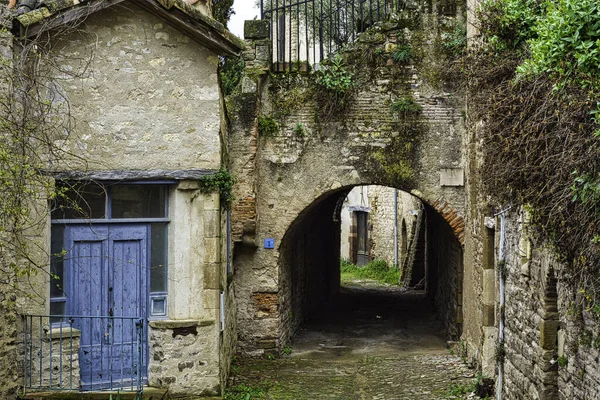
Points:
[182,357]
[53,359]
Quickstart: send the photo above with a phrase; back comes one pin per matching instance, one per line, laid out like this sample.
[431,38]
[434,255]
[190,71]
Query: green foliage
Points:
[402,54]
[454,42]
[460,389]
[508,24]
[562,361]
[586,189]
[299,130]
[243,392]
[222,182]
[333,87]
[222,10]
[287,350]
[500,352]
[267,126]
[566,42]
[377,270]
[231,70]
[334,76]
[406,106]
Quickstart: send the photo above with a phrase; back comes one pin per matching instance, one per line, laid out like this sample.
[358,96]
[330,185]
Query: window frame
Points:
[167,186]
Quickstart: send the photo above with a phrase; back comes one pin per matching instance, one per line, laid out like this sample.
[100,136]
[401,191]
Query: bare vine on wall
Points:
[35,126]
[539,137]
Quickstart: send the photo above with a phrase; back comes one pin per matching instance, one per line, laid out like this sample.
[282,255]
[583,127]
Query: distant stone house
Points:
[377,223]
[137,286]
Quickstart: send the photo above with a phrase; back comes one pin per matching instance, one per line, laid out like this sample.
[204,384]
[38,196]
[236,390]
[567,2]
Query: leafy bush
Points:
[566,42]
[508,24]
[454,42]
[267,126]
[406,106]
[333,76]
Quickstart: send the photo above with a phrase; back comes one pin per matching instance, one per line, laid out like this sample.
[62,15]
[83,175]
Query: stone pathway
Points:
[375,344]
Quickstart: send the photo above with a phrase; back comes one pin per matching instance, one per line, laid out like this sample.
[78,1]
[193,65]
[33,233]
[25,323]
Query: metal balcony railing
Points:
[305,32]
[83,353]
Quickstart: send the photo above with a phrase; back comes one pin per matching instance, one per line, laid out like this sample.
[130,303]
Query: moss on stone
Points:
[256,29]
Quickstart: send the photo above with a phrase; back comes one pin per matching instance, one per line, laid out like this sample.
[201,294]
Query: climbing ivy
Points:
[222,182]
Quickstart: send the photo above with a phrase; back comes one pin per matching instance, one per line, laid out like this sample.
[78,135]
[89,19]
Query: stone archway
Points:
[307,158]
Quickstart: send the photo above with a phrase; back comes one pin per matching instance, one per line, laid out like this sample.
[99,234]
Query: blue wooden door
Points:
[107,275]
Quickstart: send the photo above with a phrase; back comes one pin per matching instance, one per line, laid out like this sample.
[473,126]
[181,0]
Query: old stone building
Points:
[377,224]
[137,288]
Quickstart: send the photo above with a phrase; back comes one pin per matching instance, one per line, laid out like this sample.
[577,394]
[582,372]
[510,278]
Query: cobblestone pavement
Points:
[374,345]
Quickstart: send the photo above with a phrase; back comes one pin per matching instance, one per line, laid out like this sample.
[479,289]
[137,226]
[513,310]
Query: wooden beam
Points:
[198,30]
[132,175]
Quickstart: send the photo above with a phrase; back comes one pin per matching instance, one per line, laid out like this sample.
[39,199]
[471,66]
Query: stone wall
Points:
[550,341]
[144,95]
[444,272]
[382,223]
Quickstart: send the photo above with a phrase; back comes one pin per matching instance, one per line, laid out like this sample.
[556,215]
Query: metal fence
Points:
[305,32]
[100,353]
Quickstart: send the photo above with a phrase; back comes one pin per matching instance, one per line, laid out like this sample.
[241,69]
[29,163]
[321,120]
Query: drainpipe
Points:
[502,277]
[396,228]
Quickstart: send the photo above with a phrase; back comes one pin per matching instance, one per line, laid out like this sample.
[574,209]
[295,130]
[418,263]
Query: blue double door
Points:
[106,270]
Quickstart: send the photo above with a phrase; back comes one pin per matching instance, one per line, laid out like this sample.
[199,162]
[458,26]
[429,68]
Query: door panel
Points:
[107,269]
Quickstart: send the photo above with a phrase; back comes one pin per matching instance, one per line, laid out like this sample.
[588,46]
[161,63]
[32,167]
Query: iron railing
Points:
[305,32]
[83,353]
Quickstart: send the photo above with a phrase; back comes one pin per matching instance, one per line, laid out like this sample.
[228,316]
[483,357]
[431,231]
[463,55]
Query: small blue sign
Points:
[269,243]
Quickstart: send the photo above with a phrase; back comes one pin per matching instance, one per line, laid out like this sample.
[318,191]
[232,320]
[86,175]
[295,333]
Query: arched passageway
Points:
[309,267]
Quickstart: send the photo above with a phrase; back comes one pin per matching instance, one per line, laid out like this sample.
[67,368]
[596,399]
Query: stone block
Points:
[452,177]
[212,250]
[256,29]
[211,276]
[211,299]
[548,333]
[263,53]
[489,315]
[249,85]
[211,201]
[212,221]
[489,286]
